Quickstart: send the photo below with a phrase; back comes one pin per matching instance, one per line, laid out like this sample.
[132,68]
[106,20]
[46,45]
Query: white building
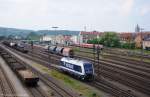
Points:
[46,38]
[146,44]
[63,39]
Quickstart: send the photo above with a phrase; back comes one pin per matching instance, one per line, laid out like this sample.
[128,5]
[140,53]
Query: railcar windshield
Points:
[88,68]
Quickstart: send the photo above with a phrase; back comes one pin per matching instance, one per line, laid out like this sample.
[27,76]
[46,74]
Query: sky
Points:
[99,15]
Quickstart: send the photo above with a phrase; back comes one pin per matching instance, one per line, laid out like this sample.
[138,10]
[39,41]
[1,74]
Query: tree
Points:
[93,41]
[110,39]
[33,36]
[128,45]
[2,37]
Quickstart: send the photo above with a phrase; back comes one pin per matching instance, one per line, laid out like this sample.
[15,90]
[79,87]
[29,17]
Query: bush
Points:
[109,39]
[128,45]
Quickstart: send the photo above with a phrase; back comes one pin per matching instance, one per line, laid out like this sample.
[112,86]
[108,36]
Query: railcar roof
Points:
[74,61]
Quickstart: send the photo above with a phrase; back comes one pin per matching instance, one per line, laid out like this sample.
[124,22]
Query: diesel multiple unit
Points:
[82,69]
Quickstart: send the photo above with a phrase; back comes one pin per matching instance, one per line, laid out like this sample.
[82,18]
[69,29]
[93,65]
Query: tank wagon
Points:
[18,46]
[82,69]
[63,51]
[25,74]
[52,49]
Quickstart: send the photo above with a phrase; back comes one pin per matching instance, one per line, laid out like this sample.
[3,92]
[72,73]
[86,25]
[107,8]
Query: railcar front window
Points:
[88,68]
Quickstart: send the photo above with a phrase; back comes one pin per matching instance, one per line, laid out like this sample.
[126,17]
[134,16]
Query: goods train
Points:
[25,74]
[18,46]
[86,45]
[64,51]
[82,69]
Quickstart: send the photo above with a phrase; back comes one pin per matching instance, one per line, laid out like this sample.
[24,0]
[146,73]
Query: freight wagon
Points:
[25,74]
[28,77]
[18,46]
[64,51]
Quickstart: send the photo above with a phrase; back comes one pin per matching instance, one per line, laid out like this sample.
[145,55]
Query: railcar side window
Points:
[77,68]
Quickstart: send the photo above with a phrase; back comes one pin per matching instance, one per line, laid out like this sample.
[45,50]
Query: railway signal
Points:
[32,45]
[94,52]
[142,51]
[98,56]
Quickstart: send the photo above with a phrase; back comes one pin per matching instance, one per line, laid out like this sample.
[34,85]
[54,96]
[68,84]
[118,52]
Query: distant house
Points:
[146,43]
[74,39]
[89,35]
[126,36]
[60,39]
[139,37]
[46,38]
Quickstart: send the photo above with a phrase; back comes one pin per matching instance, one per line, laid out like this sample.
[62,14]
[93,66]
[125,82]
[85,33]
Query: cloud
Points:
[73,14]
[145,10]
[126,7]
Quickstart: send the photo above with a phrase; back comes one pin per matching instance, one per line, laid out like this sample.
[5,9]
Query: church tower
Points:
[137,28]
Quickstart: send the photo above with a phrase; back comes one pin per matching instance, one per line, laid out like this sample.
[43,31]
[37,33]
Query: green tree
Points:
[33,36]
[128,45]
[110,39]
[93,41]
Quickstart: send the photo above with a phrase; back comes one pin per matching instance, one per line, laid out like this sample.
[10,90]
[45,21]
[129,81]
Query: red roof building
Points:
[126,36]
[90,35]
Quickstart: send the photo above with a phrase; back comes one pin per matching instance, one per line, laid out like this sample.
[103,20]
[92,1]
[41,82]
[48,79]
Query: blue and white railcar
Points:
[80,68]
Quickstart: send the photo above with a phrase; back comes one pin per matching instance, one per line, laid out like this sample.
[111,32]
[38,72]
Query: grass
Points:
[80,87]
[70,82]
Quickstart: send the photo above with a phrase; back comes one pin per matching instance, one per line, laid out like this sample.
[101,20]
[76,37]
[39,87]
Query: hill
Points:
[24,33]
[13,32]
[57,32]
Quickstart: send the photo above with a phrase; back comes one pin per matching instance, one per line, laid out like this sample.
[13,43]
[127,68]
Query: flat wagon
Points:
[28,77]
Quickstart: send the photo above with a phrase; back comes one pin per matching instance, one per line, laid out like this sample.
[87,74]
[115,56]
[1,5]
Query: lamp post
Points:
[142,51]
[55,28]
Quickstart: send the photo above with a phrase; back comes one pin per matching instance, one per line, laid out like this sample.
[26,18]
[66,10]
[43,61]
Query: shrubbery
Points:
[111,39]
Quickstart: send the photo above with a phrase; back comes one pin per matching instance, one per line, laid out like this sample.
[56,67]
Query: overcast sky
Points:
[101,15]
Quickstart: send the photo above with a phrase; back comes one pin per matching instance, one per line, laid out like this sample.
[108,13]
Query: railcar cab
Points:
[81,69]
[89,71]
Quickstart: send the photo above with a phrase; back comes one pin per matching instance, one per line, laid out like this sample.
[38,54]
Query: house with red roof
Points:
[89,35]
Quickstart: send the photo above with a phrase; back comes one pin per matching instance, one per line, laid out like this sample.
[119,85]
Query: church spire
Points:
[137,28]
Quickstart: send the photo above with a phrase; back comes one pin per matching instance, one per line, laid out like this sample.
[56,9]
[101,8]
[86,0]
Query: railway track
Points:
[34,91]
[114,51]
[124,67]
[106,86]
[37,92]
[132,62]
[142,77]
[125,77]
[116,57]
[142,70]
[128,78]
[126,53]
[6,87]
[58,90]
[110,89]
